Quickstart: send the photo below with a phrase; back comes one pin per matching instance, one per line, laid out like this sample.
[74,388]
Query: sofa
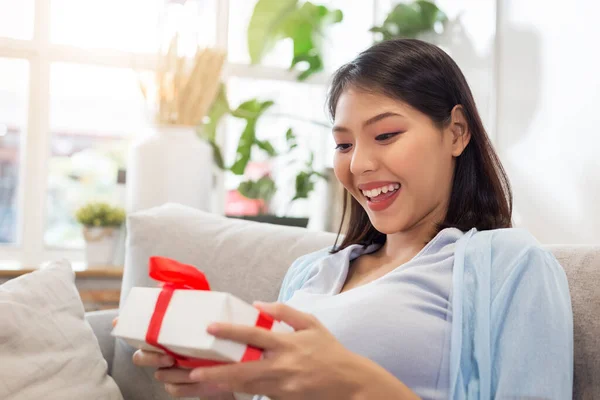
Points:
[249,259]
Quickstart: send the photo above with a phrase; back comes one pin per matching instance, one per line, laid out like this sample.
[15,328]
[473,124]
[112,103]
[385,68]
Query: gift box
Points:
[173,319]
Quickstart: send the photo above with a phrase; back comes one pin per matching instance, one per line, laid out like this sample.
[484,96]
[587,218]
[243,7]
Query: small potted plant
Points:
[101,224]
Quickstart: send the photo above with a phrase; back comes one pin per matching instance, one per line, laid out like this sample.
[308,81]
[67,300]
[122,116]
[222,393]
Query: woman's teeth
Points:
[376,192]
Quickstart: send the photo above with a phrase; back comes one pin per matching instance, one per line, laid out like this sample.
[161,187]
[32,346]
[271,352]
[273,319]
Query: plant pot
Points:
[273,219]
[100,245]
[172,165]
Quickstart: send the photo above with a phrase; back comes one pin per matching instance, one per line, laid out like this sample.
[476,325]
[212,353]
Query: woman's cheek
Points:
[341,167]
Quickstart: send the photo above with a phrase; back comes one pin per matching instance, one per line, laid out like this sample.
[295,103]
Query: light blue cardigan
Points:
[512,324]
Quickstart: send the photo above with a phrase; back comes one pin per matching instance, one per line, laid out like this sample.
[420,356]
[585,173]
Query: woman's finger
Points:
[192,390]
[173,375]
[294,318]
[251,335]
[144,358]
[114,321]
[235,377]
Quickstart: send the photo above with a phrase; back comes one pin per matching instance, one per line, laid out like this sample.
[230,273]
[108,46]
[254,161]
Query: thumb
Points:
[294,318]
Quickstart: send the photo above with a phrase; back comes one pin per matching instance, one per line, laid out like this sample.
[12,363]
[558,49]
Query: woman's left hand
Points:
[306,364]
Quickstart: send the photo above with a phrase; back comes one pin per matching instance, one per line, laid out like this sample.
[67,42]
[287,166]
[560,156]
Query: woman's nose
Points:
[362,161]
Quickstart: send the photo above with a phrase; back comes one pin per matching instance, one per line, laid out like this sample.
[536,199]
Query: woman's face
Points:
[394,160]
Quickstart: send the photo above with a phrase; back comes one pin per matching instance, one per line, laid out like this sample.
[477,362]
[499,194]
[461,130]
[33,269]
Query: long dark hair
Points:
[426,78]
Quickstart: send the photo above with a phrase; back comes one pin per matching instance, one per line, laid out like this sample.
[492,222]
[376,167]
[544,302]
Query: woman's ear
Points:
[459,128]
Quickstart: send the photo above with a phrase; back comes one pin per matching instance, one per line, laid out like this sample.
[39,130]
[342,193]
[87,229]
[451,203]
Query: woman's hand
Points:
[177,380]
[307,364]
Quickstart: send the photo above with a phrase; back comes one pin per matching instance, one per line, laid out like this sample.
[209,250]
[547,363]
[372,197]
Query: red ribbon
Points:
[178,276]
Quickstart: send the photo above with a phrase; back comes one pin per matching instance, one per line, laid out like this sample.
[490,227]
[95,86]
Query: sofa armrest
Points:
[101,323]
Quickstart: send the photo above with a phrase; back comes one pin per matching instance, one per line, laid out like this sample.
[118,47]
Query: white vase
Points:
[172,165]
[100,245]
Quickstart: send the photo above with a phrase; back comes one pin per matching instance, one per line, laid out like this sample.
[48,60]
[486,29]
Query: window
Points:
[16,19]
[91,120]
[70,102]
[13,110]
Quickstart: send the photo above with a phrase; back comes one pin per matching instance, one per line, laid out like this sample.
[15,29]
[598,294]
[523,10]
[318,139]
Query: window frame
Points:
[30,251]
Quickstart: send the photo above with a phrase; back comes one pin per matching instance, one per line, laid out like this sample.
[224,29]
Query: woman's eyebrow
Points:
[370,121]
[381,116]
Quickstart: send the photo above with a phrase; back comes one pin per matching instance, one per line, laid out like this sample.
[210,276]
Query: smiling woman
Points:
[429,295]
[408,122]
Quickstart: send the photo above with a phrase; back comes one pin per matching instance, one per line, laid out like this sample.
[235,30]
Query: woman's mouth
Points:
[380,198]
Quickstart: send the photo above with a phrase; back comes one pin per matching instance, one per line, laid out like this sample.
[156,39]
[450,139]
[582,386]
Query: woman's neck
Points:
[406,244]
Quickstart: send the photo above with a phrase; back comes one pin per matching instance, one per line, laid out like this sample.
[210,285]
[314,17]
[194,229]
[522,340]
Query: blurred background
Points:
[75,100]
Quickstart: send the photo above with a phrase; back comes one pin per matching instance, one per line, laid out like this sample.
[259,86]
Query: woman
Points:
[428,295]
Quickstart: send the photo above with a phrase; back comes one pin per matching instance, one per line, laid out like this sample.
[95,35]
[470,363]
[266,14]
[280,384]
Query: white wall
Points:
[548,116]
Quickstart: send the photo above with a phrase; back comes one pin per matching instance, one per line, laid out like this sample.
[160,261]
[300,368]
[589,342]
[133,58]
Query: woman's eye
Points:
[343,146]
[386,136]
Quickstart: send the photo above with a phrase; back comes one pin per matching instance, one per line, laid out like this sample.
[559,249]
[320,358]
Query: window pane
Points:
[132,25]
[16,19]
[297,106]
[13,114]
[93,111]
[342,43]
[346,39]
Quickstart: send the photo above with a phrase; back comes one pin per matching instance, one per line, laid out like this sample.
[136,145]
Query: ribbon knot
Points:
[177,276]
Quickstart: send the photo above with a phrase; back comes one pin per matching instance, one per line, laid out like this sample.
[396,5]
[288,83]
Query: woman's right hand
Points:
[177,380]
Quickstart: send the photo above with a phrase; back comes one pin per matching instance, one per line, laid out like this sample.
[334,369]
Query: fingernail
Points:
[259,304]
[196,375]
[212,329]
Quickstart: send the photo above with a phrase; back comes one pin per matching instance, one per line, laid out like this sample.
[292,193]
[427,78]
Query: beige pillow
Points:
[47,348]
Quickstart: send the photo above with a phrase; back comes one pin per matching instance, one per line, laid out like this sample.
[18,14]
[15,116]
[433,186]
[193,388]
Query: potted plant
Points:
[101,224]
[260,189]
[304,23]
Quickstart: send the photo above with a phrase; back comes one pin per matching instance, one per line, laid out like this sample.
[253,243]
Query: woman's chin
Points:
[386,226]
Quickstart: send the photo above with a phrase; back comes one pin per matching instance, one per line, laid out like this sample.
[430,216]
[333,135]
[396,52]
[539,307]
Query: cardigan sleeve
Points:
[532,331]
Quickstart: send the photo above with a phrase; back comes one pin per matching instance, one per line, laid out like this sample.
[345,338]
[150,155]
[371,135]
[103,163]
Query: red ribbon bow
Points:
[178,276]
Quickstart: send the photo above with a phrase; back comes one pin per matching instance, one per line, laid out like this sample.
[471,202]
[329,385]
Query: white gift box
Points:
[186,319]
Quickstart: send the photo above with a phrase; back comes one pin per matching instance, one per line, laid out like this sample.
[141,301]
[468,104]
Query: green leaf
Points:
[264,188]
[430,13]
[311,160]
[315,64]
[289,135]
[306,28]
[305,25]
[267,147]
[217,155]
[304,185]
[218,109]
[244,148]
[208,131]
[264,28]
[410,20]
[290,138]
[250,110]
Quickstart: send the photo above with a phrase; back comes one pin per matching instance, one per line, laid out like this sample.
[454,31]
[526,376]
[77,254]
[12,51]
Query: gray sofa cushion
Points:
[244,258]
[582,265]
